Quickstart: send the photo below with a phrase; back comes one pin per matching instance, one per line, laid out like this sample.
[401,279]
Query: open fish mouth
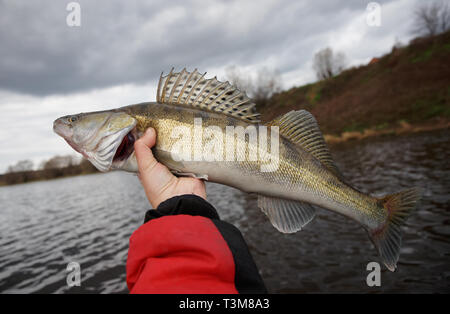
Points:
[125,149]
[115,146]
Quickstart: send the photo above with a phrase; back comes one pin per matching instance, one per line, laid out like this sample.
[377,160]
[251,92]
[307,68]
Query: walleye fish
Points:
[299,172]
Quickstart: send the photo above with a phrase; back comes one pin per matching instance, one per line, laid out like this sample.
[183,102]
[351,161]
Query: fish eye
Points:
[72,119]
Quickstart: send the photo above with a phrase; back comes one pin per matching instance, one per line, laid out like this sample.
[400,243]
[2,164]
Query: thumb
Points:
[142,148]
[155,177]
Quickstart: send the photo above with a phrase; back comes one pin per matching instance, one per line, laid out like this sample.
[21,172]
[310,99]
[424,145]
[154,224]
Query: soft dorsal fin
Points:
[302,129]
[194,90]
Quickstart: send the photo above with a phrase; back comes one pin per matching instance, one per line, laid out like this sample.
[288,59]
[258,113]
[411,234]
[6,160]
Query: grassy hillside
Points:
[409,85]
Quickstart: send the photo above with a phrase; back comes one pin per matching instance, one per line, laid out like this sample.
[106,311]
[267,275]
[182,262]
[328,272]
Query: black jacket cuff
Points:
[188,204]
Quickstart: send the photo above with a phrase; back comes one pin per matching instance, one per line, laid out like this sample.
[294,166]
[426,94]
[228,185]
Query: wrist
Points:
[186,204]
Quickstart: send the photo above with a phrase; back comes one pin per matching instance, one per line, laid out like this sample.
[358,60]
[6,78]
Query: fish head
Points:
[105,138]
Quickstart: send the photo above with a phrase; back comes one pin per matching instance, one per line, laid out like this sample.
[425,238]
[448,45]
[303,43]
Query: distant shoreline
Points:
[13,178]
[3,184]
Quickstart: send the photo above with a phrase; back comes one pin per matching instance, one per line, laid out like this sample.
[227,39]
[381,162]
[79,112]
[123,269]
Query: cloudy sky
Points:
[114,58]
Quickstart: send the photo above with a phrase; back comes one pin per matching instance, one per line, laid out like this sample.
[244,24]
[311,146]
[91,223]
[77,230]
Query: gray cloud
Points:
[132,42]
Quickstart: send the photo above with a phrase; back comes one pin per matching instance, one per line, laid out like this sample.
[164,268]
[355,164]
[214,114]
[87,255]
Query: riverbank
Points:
[402,128]
[406,90]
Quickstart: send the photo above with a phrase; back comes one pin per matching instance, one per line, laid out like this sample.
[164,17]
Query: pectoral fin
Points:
[190,175]
[285,215]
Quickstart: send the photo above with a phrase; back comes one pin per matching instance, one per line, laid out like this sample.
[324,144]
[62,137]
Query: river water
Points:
[88,220]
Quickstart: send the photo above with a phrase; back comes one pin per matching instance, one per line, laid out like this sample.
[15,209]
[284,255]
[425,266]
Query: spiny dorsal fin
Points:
[193,90]
[302,129]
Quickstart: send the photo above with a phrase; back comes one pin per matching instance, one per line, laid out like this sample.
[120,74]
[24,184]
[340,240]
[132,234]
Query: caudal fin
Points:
[388,238]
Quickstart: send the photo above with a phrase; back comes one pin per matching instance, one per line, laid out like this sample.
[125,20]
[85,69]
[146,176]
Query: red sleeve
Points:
[180,254]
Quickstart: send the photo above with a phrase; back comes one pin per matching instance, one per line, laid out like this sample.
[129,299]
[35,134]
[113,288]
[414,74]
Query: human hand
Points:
[158,182]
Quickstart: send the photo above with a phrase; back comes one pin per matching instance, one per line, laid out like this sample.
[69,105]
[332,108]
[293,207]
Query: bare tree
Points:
[86,166]
[432,18]
[22,165]
[260,86]
[267,84]
[242,81]
[58,162]
[326,64]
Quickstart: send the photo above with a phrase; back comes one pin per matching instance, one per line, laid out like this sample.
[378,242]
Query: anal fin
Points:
[285,215]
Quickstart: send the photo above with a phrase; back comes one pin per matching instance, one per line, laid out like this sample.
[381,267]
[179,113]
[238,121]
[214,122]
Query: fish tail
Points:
[388,238]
